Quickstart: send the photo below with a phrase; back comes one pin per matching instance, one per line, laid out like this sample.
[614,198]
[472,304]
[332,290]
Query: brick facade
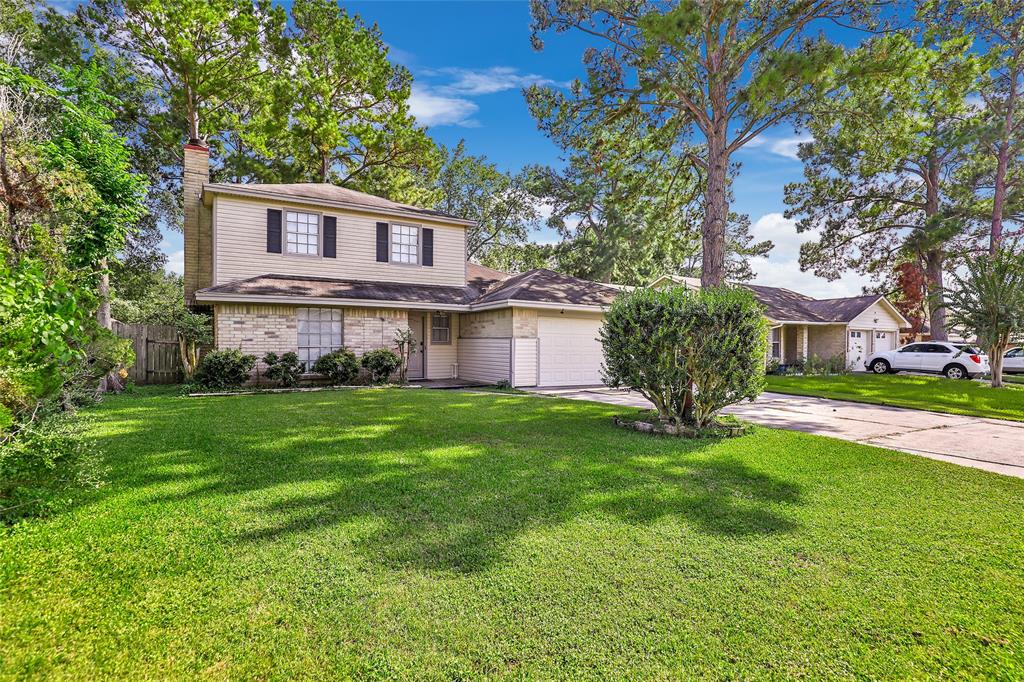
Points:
[827,342]
[524,323]
[370,328]
[490,324]
[256,329]
[198,222]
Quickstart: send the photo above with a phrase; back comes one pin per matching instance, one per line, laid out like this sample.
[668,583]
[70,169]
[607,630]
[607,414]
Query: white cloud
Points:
[433,109]
[782,267]
[789,146]
[487,81]
[176,262]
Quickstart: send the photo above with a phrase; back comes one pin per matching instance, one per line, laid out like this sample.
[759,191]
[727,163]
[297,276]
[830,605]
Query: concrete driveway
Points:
[989,444]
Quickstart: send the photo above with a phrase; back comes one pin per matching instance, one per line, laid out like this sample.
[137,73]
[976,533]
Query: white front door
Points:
[570,351]
[417,358]
[857,348]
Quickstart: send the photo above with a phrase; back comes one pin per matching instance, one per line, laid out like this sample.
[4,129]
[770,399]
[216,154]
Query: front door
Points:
[417,353]
[857,348]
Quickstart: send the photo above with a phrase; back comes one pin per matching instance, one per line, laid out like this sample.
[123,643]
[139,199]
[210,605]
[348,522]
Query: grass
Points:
[936,394]
[441,535]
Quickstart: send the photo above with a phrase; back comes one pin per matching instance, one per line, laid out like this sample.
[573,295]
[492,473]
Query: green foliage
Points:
[817,365]
[341,366]
[381,364]
[284,369]
[987,301]
[689,353]
[42,460]
[227,368]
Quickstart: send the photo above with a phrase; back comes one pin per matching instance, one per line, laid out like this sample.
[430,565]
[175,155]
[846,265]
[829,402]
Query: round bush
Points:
[381,364]
[340,366]
[689,353]
[224,368]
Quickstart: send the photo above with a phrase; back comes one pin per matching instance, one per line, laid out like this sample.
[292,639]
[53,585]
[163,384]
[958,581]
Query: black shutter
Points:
[273,230]
[382,242]
[428,247]
[330,237]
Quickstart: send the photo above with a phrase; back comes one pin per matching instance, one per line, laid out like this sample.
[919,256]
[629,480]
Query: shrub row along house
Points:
[312,267]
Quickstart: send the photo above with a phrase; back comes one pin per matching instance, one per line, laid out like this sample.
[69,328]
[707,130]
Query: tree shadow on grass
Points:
[436,481]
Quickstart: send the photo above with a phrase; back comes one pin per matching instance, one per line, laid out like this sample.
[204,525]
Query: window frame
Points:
[319,233]
[391,243]
[447,328]
[775,343]
[320,348]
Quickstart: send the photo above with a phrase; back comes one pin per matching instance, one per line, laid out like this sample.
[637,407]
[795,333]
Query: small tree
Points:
[404,340]
[987,301]
[193,331]
[689,353]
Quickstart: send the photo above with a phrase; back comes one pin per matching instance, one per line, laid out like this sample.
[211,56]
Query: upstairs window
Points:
[405,244]
[302,233]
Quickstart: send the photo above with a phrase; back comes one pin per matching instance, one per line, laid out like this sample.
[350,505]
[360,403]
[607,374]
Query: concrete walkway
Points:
[990,444]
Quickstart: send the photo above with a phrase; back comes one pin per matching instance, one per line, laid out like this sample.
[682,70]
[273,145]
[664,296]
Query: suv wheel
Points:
[955,372]
[880,367]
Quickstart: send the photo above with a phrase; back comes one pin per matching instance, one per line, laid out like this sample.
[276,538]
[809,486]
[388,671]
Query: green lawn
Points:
[436,534]
[919,392]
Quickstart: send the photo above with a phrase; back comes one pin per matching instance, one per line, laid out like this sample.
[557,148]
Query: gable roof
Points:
[784,305]
[485,288]
[326,194]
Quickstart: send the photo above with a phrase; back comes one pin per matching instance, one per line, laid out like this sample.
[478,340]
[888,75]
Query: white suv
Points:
[954,360]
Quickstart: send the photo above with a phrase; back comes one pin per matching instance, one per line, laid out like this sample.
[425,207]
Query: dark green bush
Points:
[224,369]
[340,366]
[689,353]
[285,369]
[381,364]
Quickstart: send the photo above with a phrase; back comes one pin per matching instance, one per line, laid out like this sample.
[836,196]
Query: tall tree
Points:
[716,72]
[998,26]
[499,202]
[880,176]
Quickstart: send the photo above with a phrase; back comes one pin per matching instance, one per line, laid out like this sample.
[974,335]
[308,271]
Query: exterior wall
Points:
[876,317]
[490,324]
[441,356]
[198,239]
[365,329]
[827,342]
[255,329]
[524,323]
[485,359]
[524,361]
[790,351]
[241,247]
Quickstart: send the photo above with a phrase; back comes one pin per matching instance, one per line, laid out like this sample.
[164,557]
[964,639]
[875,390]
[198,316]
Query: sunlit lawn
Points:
[427,534]
[937,394]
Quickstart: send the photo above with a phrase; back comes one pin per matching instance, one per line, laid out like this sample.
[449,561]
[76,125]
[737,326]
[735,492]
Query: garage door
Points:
[570,351]
[884,341]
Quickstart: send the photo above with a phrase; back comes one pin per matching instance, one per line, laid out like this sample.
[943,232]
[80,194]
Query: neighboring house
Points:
[313,267]
[802,326]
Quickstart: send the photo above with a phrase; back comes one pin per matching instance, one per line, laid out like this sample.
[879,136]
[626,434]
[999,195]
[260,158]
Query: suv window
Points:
[1014,353]
[936,348]
[970,350]
[914,348]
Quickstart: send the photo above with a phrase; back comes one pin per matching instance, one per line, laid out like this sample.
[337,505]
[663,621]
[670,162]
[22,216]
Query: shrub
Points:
[381,364]
[817,365]
[284,369]
[224,369]
[340,366]
[689,353]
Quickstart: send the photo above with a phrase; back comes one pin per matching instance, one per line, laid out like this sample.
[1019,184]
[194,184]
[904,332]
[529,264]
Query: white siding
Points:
[524,362]
[441,357]
[484,359]
[240,248]
[878,311]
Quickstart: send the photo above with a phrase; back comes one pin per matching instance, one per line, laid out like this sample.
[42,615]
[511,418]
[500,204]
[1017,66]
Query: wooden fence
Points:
[157,357]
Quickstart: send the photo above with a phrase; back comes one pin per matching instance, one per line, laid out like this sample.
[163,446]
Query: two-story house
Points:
[312,267]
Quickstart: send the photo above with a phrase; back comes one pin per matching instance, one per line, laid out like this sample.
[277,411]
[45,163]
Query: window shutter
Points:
[330,237]
[382,242]
[273,230]
[428,247]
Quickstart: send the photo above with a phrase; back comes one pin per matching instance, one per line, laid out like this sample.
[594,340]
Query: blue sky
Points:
[470,60]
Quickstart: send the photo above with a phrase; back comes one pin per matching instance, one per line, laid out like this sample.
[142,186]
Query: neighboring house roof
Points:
[783,305]
[485,288]
[331,195]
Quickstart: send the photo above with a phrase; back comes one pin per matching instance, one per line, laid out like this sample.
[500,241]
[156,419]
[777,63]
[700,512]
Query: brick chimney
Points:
[197,226]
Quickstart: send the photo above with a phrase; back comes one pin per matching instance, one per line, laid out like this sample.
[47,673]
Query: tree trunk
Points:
[110,382]
[995,362]
[716,212]
[933,264]
[999,198]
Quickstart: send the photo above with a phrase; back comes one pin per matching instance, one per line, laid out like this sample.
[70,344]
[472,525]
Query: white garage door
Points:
[570,351]
[884,341]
